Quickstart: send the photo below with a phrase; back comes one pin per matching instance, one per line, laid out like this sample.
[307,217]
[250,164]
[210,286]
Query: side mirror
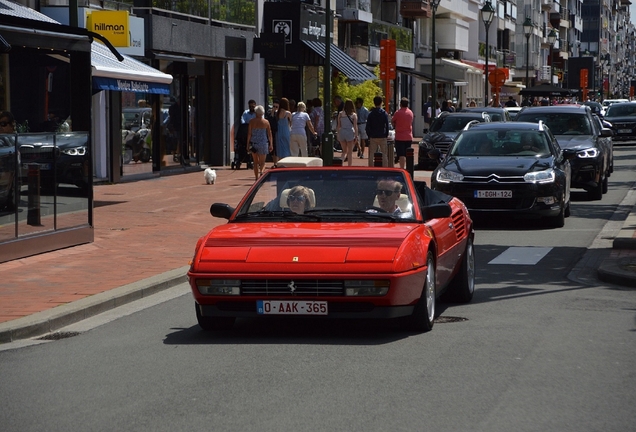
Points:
[223,211]
[607,132]
[436,211]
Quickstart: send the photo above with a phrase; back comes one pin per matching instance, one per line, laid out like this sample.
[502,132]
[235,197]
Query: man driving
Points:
[388,192]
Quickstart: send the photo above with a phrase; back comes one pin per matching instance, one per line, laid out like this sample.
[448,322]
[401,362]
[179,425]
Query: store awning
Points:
[129,75]
[426,76]
[341,61]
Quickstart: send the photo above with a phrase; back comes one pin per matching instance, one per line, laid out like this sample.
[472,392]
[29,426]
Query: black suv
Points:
[577,132]
[442,133]
[622,116]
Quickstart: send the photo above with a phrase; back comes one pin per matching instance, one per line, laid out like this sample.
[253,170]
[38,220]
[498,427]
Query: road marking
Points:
[521,255]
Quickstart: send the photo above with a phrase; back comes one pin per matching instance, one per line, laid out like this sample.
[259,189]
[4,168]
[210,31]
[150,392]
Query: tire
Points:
[462,287]
[567,209]
[423,316]
[127,155]
[596,193]
[558,221]
[605,184]
[145,155]
[213,323]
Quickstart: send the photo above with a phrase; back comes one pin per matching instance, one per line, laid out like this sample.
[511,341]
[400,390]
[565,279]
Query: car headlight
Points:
[219,286]
[75,151]
[366,287]
[545,176]
[588,153]
[446,176]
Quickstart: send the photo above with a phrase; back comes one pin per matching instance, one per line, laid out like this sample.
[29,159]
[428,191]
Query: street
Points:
[543,346]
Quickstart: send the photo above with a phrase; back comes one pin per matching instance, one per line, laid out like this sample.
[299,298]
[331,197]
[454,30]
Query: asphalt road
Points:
[539,348]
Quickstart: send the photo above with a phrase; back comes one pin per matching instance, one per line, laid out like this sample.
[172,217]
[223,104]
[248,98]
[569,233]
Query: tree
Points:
[367,90]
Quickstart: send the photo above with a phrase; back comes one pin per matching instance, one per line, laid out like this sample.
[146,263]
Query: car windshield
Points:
[527,143]
[451,124]
[561,123]
[619,110]
[318,195]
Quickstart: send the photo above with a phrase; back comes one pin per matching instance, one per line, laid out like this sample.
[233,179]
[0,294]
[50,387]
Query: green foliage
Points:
[366,90]
[236,11]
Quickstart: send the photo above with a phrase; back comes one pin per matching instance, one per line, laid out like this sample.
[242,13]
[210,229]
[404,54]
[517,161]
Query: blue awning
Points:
[343,62]
[129,75]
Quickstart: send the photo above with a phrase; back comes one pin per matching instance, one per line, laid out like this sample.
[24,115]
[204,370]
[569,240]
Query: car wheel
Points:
[558,221]
[596,193]
[423,315]
[605,184]
[462,287]
[567,210]
[213,323]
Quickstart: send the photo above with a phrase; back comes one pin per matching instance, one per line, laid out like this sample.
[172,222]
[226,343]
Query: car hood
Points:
[575,142]
[501,165]
[621,119]
[307,247]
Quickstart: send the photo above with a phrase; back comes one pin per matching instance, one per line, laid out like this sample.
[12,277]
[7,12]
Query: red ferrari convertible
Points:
[334,242]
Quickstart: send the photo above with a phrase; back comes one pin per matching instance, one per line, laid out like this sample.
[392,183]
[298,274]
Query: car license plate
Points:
[45,166]
[291,307]
[625,131]
[493,194]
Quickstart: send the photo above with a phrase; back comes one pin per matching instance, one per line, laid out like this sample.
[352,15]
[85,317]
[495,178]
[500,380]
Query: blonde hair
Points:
[301,107]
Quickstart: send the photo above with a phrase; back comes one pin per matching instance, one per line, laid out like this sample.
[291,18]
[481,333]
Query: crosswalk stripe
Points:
[521,255]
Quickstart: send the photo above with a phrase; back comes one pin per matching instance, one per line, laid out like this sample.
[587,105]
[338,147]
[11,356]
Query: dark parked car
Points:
[515,168]
[61,158]
[596,107]
[496,114]
[442,134]
[622,116]
[575,129]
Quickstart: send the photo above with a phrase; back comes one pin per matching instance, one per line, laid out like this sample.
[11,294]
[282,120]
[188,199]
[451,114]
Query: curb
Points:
[50,320]
[611,271]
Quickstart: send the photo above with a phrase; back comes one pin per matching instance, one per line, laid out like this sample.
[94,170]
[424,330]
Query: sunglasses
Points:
[293,198]
[5,124]
[384,192]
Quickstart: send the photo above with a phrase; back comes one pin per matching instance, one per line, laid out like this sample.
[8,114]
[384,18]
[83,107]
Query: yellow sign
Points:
[113,25]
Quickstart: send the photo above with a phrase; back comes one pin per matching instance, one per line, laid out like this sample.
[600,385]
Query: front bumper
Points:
[349,310]
[586,173]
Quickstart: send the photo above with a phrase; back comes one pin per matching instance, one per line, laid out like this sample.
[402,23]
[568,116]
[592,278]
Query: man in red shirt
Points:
[403,125]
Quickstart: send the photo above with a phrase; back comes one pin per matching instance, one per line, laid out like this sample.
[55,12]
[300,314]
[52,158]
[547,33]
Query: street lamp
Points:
[435,3]
[528,26]
[487,14]
[552,37]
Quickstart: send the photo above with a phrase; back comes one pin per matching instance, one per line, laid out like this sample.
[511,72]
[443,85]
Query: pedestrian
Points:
[284,129]
[363,114]
[403,125]
[249,113]
[427,113]
[7,122]
[511,102]
[259,136]
[472,103]
[298,136]
[347,130]
[446,107]
[438,111]
[378,130]
[318,121]
[174,127]
[271,117]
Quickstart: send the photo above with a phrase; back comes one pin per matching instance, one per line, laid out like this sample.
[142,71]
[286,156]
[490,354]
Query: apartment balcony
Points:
[354,11]
[576,21]
[359,53]
[560,19]
[415,8]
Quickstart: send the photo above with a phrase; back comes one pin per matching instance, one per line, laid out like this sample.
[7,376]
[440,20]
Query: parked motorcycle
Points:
[135,146]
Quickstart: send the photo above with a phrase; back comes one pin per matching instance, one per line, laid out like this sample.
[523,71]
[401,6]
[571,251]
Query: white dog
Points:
[210,176]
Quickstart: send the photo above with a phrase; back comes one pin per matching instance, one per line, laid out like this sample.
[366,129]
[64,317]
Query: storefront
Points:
[293,46]
[45,170]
